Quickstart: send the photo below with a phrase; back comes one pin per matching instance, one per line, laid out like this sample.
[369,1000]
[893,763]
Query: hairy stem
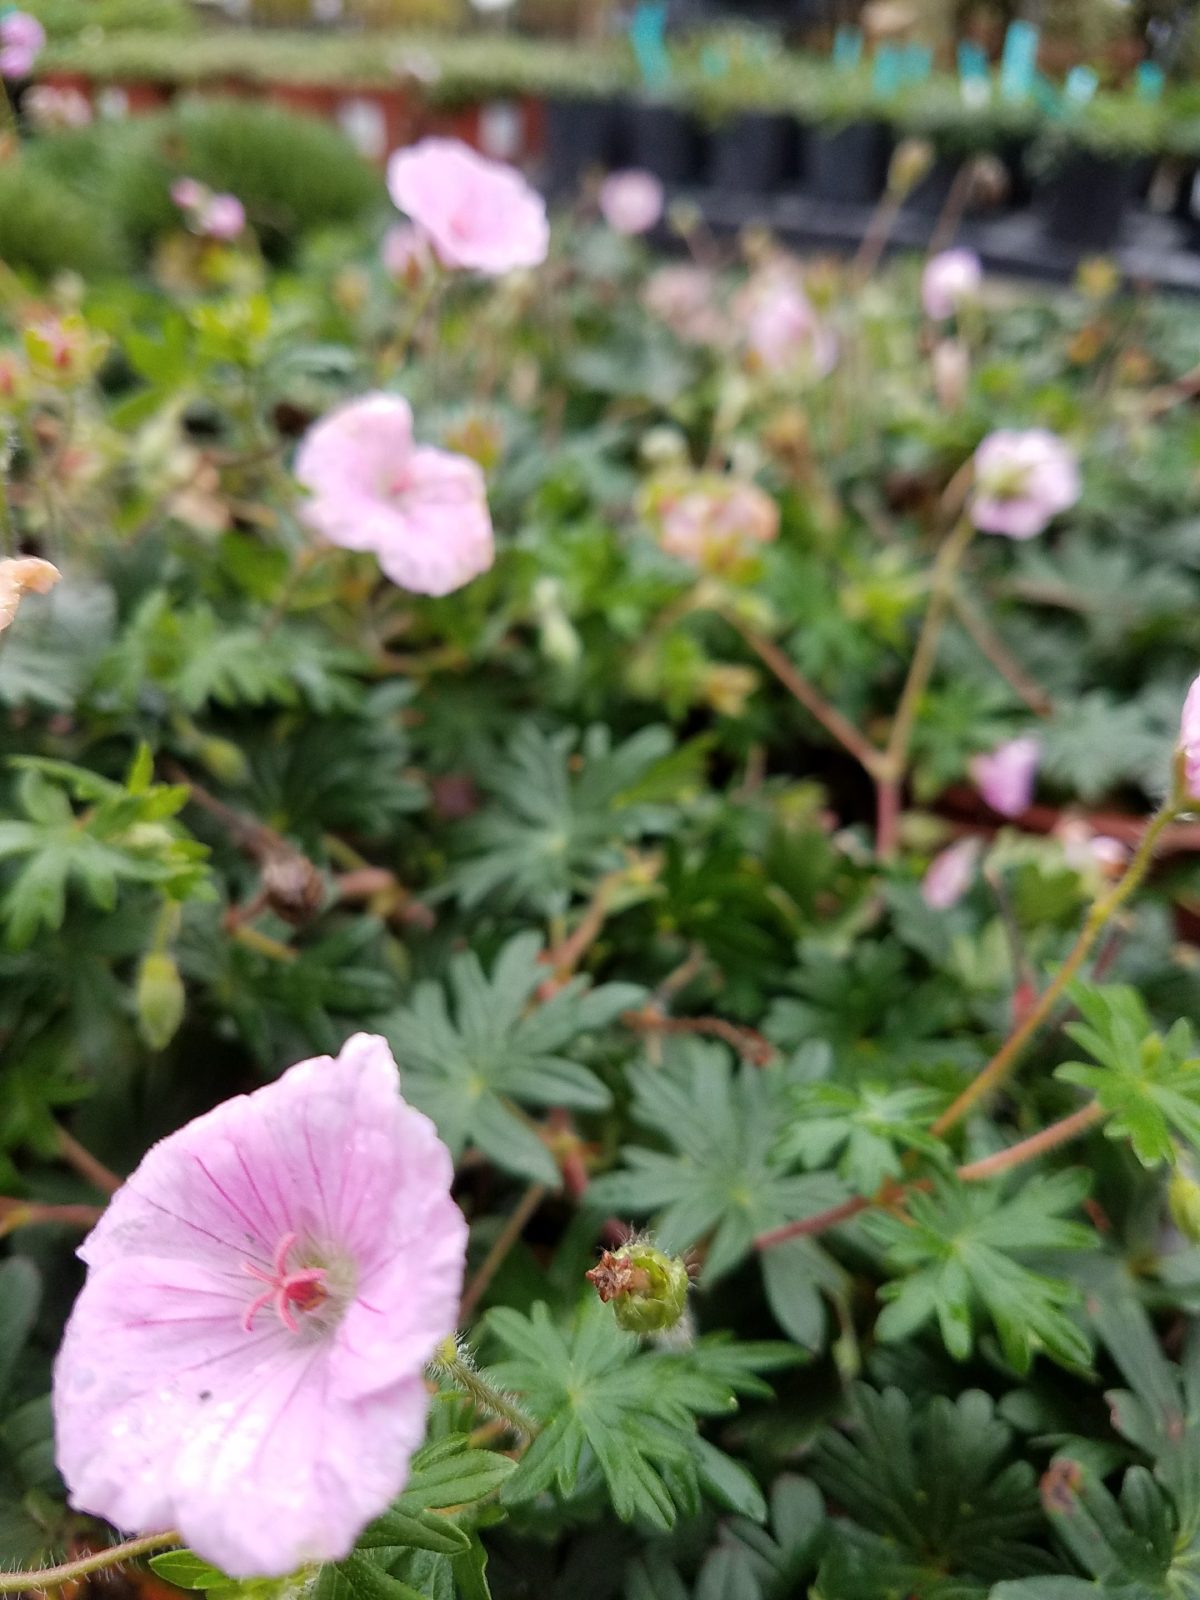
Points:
[98,1561]
[452,1364]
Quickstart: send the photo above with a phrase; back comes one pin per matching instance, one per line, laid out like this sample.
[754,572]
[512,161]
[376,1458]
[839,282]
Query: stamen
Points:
[303,1288]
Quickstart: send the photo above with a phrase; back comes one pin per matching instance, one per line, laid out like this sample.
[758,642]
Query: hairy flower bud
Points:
[646,1289]
[160,999]
[1183,1198]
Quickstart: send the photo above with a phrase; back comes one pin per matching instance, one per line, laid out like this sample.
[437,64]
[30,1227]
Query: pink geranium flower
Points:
[1189,740]
[478,215]
[48,108]
[19,576]
[631,202]
[1006,777]
[950,874]
[782,332]
[712,522]
[405,251]
[684,297]
[216,216]
[21,40]
[423,512]
[1022,480]
[245,1360]
[950,281]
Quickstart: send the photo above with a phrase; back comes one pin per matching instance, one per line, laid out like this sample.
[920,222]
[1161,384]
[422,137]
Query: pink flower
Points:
[631,202]
[950,281]
[188,194]
[1006,777]
[404,251]
[216,216]
[1088,851]
[20,576]
[684,297]
[711,522]
[1189,741]
[48,107]
[223,218]
[244,1362]
[479,215]
[781,330]
[422,511]
[21,40]
[1022,480]
[950,874]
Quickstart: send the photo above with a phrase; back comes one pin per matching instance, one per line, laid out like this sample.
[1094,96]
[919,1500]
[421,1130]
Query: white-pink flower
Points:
[224,217]
[404,250]
[422,511]
[781,331]
[1006,776]
[215,216]
[1022,480]
[950,281]
[1189,740]
[684,297]
[21,40]
[632,201]
[244,1362]
[950,874]
[48,108]
[478,215]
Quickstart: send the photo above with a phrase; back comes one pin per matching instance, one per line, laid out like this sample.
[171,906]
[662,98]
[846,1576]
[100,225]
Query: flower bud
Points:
[160,999]
[1187,752]
[911,161]
[646,1289]
[1183,1199]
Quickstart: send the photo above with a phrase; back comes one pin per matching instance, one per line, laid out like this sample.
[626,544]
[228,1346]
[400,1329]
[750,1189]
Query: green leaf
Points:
[959,1251]
[630,1410]
[450,1475]
[724,1174]
[20,1297]
[1149,1083]
[186,1570]
[476,1047]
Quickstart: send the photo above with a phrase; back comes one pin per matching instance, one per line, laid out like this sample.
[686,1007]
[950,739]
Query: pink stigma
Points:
[305,1288]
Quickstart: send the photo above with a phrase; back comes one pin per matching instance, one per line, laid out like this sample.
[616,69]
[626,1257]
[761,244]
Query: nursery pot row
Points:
[1081,201]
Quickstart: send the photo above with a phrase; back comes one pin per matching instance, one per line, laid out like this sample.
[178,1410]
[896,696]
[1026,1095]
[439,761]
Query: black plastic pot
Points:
[754,153]
[1083,201]
[848,163]
[580,135]
[929,196]
[662,139]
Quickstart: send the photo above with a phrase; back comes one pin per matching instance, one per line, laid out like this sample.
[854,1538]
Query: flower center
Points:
[303,1288]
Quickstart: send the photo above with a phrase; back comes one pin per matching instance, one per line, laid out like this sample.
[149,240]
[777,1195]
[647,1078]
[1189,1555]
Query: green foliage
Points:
[475,1050]
[1147,1082]
[47,227]
[958,1251]
[125,836]
[616,1412]
[556,822]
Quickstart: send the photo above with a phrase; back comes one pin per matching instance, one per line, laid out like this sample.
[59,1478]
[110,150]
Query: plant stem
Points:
[55,1577]
[458,1369]
[87,1165]
[831,719]
[503,1243]
[1014,1155]
[1058,1133]
[1102,910]
[997,652]
[895,762]
[16,1214]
